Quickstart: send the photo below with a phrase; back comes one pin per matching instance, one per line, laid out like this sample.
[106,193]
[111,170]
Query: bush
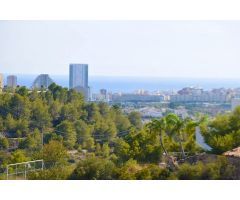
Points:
[215,170]
[153,172]
[190,172]
[94,169]
[55,173]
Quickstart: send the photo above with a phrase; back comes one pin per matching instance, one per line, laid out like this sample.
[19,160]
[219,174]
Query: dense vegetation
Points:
[85,140]
[223,132]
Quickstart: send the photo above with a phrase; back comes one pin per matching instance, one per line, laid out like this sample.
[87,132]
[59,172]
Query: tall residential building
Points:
[43,81]
[1,82]
[78,78]
[11,81]
[78,75]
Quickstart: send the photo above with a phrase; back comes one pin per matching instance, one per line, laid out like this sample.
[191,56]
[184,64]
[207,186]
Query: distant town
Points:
[188,101]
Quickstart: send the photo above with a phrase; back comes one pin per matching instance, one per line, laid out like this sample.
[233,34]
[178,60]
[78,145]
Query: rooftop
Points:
[234,153]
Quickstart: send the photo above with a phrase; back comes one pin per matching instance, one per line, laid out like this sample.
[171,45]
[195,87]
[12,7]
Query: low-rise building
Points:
[137,98]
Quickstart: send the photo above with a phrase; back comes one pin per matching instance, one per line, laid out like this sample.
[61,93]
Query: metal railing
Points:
[22,169]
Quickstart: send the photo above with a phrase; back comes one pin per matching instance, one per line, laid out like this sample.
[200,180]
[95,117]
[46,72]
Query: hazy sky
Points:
[122,48]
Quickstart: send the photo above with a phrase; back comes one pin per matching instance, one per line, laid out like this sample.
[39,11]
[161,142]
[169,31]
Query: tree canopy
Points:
[88,140]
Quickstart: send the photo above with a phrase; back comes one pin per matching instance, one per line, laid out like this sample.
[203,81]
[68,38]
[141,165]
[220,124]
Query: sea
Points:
[131,84]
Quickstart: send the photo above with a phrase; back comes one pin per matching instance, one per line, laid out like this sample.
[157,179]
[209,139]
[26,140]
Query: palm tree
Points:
[178,128]
[159,126]
[175,126]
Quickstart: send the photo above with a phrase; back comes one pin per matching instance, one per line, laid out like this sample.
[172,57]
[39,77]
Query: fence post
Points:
[25,173]
[7,172]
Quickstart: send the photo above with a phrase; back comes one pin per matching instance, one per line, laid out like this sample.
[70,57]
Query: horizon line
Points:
[125,76]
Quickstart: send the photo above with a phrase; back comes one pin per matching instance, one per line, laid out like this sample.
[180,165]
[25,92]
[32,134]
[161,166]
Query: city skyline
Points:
[122,48]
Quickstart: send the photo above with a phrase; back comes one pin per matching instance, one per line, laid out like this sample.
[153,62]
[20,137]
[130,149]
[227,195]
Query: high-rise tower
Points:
[43,81]
[11,81]
[78,78]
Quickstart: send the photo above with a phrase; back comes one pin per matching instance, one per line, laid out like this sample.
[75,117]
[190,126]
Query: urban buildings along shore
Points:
[78,80]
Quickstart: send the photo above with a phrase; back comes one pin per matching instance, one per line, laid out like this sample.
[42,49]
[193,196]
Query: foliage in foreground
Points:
[223,132]
[103,169]
[88,141]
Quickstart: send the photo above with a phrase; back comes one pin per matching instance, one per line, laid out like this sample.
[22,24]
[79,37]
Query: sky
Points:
[196,49]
